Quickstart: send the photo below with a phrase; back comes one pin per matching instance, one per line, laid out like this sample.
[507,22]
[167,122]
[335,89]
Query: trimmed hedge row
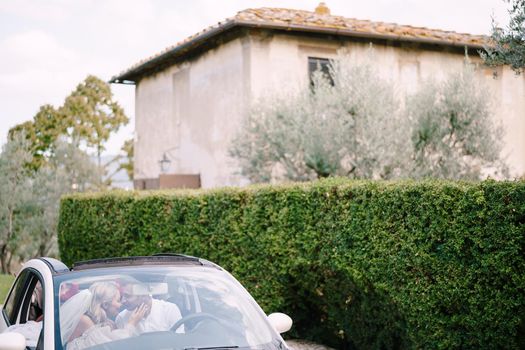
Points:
[365,265]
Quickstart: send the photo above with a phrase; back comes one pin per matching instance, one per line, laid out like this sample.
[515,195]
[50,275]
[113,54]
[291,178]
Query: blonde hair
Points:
[101,292]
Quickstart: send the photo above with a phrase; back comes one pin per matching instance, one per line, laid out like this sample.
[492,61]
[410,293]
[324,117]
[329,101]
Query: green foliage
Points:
[88,116]
[91,113]
[352,128]
[42,133]
[354,125]
[128,149]
[69,170]
[454,136]
[43,159]
[124,160]
[29,199]
[15,191]
[508,45]
[359,264]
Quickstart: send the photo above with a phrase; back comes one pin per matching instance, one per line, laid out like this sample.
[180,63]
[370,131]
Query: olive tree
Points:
[508,45]
[455,134]
[29,199]
[15,194]
[346,124]
[354,124]
[69,170]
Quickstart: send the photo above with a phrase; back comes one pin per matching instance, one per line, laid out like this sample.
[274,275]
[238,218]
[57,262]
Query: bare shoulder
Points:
[83,325]
[85,322]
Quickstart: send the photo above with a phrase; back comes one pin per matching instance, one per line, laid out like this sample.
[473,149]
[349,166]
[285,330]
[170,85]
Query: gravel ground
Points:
[298,344]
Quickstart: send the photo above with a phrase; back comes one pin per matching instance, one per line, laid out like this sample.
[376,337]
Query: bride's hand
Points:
[138,314]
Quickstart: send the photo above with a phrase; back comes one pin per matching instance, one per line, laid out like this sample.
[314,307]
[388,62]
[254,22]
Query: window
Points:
[319,64]
[24,308]
[14,301]
[25,303]
[36,302]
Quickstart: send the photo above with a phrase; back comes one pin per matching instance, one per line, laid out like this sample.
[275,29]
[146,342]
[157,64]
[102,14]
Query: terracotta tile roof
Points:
[306,21]
[313,20]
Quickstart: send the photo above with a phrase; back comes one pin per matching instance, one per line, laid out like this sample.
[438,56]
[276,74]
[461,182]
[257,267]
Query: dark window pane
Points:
[322,64]
[13,303]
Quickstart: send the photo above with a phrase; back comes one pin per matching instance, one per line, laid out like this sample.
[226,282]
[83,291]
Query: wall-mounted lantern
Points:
[165,164]
[165,161]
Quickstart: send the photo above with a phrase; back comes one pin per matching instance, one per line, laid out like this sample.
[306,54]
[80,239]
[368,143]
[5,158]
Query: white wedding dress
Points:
[70,314]
[99,334]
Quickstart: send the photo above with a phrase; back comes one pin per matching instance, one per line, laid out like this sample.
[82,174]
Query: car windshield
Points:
[157,307]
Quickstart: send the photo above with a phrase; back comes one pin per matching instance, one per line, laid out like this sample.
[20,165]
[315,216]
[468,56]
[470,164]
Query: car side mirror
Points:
[280,322]
[12,341]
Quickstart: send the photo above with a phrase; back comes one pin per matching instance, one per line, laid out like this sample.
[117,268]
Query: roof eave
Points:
[133,75]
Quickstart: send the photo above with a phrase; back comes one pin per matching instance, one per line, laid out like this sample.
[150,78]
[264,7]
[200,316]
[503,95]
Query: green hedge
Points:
[365,265]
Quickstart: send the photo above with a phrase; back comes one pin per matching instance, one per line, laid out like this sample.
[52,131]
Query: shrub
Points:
[357,264]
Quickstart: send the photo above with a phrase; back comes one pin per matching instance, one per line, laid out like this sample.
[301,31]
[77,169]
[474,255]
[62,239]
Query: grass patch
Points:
[5,283]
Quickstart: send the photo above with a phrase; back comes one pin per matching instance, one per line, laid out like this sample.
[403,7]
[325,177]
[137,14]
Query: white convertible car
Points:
[164,301]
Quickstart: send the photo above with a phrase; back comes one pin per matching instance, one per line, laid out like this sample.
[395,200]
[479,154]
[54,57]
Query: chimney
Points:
[322,9]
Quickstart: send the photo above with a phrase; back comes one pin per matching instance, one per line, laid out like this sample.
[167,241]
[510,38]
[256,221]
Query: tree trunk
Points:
[101,180]
[3,258]
[42,248]
[8,264]
[98,156]
[5,262]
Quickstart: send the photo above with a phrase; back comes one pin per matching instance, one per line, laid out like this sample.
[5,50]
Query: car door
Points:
[24,307]
[11,308]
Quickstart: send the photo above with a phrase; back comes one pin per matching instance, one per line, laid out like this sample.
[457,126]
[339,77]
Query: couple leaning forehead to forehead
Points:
[133,296]
[94,315]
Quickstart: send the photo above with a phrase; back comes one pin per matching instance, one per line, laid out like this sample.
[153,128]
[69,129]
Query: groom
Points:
[160,315]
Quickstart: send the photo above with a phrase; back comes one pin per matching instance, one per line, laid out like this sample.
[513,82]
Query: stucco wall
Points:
[191,111]
[188,111]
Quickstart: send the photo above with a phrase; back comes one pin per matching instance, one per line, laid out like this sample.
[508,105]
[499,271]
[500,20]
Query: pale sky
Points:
[48,46]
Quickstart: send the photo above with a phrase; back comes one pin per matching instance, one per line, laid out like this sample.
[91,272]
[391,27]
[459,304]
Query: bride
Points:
[87,318]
